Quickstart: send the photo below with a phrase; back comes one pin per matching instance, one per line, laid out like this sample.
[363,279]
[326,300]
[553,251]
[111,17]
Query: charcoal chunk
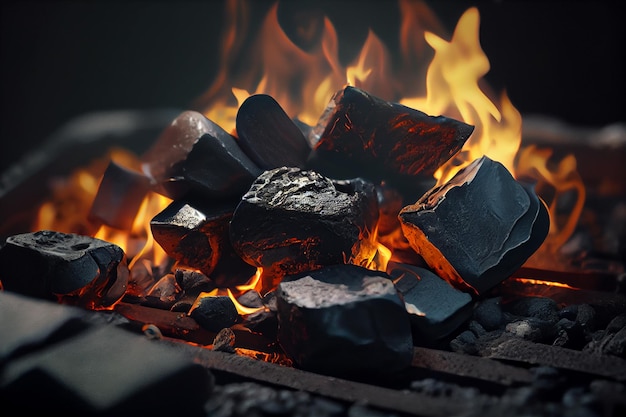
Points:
[105,371]
[66,267]
[478,228]
[344,320]
[292,221]
[488,313]
[195,155]
[268,135]
[164,293]
[214,313]
[119,197]
[362,135]
[435,307]
[196,235]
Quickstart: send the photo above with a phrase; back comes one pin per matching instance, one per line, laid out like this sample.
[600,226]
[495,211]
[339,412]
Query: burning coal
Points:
[348,174]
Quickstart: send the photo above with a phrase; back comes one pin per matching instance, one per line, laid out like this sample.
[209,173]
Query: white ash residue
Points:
[311,293]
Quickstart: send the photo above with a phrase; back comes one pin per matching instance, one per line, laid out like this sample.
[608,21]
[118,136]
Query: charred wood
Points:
[179,325]
[467,366]
[518,350]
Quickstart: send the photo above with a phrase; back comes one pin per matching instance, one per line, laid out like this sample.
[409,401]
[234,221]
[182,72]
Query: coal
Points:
[478,228]
[196,235]
[195,155]
[435,307]
[292,220]
[268,135]
[362,135]
[105,371]
[542,308]
[344,320]
[193,282]
[66,267]
[488,313]
[141,278]
[119,197]
[164,293]
[214,312]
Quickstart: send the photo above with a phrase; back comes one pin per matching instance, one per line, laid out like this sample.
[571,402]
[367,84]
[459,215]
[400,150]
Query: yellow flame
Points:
[542,282]
[453,90]
[241,309]
[252,284]
[303,82]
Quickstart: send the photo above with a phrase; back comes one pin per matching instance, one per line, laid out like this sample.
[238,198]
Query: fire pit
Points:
[413,254]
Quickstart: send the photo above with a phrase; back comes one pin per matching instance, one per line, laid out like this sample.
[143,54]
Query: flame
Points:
[241,309]
[68,210]
[253,283]
[303,82]
[453,89]
[221,292]
[561,178]
[542,282]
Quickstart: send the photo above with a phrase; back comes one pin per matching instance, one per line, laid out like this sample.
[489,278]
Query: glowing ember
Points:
[542,282]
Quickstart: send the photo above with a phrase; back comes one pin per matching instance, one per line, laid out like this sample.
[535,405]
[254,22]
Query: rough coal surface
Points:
[478,228]
[214,312]
[363,135]
[48,264]
[196,235]
[81,366]
[250,399]
[293,220]
[195,155]
[337,319]
[435,307]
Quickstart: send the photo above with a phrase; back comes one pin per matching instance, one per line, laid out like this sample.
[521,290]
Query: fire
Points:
[303,81]
[68,210]
[561,178]
[220,292]
[453,87]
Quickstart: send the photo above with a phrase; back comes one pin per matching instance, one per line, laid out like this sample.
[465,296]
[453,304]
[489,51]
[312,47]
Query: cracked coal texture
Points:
[293,220]
[46,264]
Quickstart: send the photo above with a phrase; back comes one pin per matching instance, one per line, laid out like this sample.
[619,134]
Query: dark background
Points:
[62,59]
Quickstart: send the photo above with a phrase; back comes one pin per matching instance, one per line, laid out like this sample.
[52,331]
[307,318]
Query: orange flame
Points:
[453,89]
[303,82]
[562,178]
[68,210]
